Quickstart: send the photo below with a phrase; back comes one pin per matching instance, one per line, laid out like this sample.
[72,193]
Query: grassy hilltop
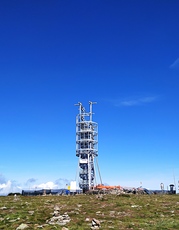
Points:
[113,212]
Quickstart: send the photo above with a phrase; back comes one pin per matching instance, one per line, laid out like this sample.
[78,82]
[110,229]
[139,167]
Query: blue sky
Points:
[122,54]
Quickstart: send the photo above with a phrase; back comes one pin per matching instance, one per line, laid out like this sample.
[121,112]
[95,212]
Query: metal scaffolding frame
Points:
[86,146]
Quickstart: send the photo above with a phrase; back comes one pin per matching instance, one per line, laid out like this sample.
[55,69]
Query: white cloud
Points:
[8,187]
[59,183]
[5,186]
[175,64]
[47,185]
[136,101]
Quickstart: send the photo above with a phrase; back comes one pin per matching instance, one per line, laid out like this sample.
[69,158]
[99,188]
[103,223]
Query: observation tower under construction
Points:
[86,146]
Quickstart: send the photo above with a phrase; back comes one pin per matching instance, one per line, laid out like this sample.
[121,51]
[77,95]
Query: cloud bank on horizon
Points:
[9,186]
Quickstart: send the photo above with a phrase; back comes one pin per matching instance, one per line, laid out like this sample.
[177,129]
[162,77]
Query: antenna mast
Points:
[86,146]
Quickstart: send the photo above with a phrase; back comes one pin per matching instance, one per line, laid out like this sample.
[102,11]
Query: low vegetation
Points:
[113,211]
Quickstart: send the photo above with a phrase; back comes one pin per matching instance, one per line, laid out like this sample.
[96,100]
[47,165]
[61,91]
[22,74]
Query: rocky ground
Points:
[100,211]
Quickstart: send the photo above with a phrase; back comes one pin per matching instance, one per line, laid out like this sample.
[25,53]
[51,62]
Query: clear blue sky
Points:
[124,55]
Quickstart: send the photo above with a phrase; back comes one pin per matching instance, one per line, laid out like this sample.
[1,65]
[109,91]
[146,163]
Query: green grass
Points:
[114,212]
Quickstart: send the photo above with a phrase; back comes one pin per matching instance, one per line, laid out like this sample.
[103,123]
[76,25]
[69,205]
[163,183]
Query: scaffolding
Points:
[86,146]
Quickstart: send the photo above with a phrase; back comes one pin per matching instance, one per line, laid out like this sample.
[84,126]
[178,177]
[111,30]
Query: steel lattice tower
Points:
[86,146]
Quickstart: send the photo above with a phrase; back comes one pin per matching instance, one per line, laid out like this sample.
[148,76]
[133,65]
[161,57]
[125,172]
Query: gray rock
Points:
[31,212]
[22,226]
[65,221]
[94,227]
[95,224]
[57,208]
[59,219]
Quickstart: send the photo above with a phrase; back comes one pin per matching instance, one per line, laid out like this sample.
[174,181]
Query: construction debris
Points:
[116,190]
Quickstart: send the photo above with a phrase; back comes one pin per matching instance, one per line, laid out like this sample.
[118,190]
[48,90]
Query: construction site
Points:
[88,177]
[87,152]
